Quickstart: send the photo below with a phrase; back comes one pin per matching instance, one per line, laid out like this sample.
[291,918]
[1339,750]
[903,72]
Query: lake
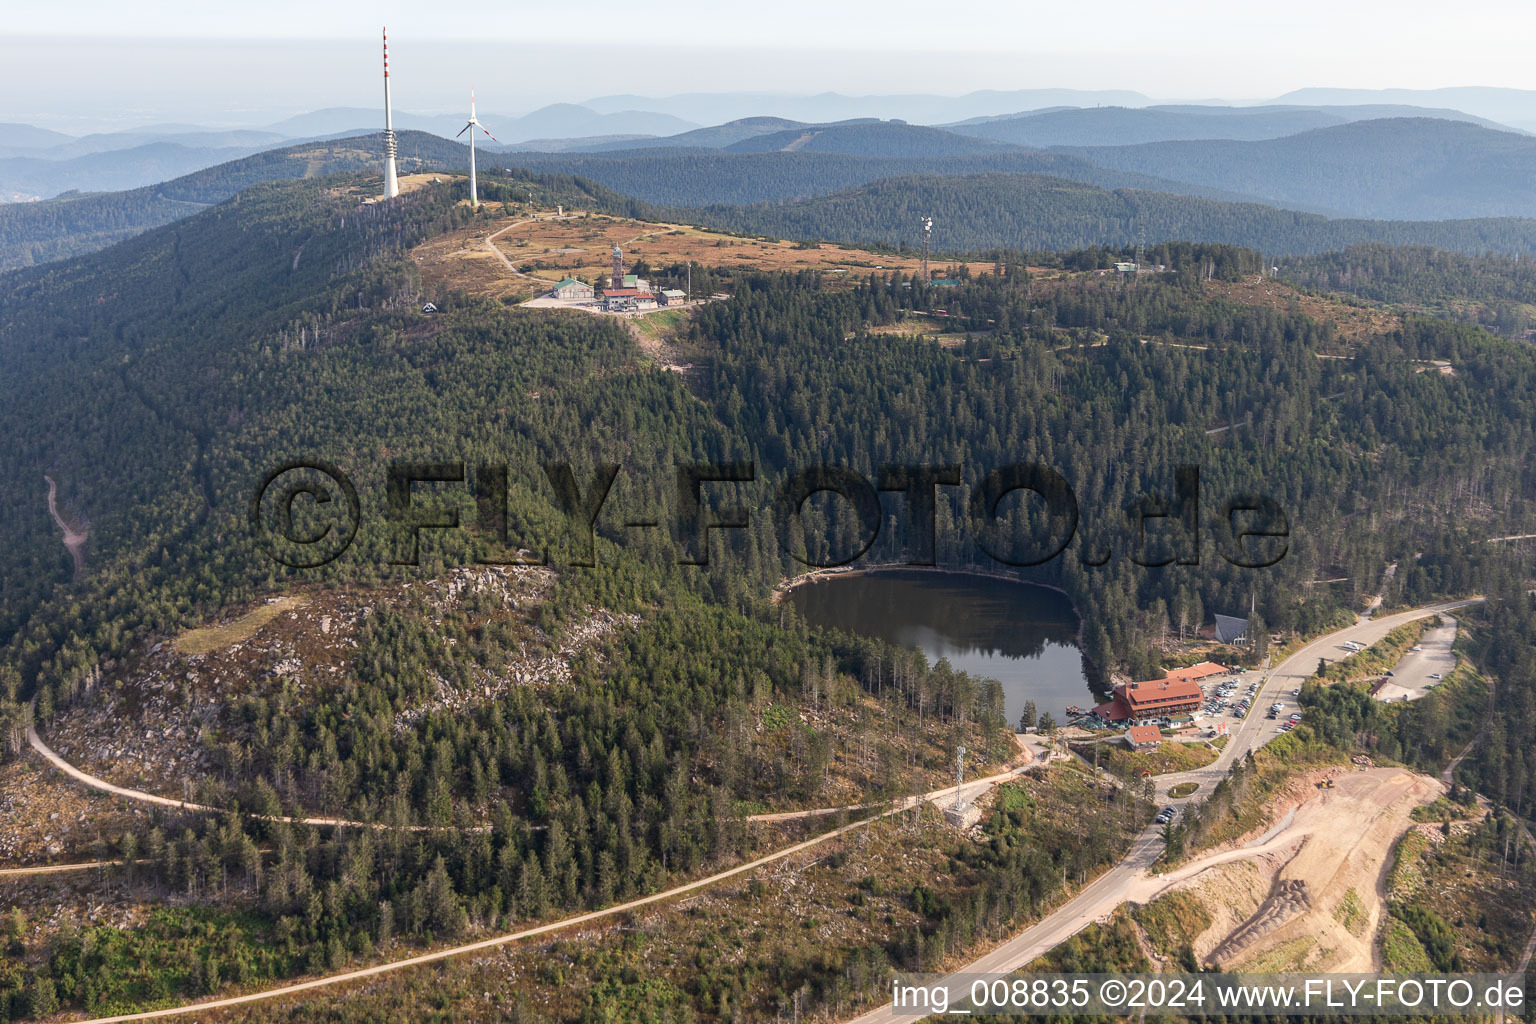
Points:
[1023,636]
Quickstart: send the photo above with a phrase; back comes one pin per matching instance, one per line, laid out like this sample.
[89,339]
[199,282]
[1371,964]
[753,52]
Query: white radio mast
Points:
[391,180]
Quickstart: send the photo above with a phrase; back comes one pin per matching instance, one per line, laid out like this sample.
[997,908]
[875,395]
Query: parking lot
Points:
[1422,668]
[1231,700]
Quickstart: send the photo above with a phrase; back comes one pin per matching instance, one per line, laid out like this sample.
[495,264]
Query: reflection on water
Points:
[1025,637]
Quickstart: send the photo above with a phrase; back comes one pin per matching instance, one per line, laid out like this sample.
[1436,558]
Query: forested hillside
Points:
[158,380]
[702,178]
[32,233]
[200,353]
[1496,291]
[1029,213]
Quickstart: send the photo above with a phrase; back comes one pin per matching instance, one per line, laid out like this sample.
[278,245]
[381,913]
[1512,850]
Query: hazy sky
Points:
[93,61]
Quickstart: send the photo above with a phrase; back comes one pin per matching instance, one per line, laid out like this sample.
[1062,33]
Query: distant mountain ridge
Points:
[1127,126]
[829,107]
[886,139]
[1395,168]
[558,120]
[1515,107]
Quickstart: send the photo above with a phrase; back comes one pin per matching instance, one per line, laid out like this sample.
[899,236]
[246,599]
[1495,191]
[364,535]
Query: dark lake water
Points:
[1024,637]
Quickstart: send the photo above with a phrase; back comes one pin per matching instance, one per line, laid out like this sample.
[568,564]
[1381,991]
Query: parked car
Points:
[1434,675]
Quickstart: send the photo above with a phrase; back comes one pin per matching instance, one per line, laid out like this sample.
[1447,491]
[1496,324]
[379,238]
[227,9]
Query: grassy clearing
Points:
[1401,950]
[1446,809]
[1173,922]
[1286,957]
[1350,913]
[1183,789]
[1462,698]
[1170,756]
[1405,878]
[579,246]
[1464,897]
[661,326]
[213,638]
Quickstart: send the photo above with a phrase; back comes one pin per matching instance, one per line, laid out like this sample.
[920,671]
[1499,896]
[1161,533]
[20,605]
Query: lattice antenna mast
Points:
[959,774]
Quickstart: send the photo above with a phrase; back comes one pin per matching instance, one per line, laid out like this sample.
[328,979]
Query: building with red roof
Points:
[1143,737]
[1160,697]
[1176,694]
[1197,672]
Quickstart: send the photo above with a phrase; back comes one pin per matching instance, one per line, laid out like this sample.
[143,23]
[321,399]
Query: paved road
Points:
[1256,730]
[1108,891]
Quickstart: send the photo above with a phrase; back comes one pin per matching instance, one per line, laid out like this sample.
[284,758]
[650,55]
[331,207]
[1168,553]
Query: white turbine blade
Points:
[490,136]
[463,130]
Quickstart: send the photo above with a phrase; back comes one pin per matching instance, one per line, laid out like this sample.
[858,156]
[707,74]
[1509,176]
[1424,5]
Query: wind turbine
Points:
[470,126]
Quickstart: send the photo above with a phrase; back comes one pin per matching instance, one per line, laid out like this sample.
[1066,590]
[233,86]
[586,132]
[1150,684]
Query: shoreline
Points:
[819,575]
[846,572]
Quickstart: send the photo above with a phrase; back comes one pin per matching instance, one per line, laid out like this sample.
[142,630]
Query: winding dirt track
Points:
[1102,895]
[526,933]
[57,869]
[970,791]
[74,539]
[103,786]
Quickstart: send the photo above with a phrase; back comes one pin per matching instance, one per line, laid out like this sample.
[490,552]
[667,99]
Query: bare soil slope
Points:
[1311,896]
